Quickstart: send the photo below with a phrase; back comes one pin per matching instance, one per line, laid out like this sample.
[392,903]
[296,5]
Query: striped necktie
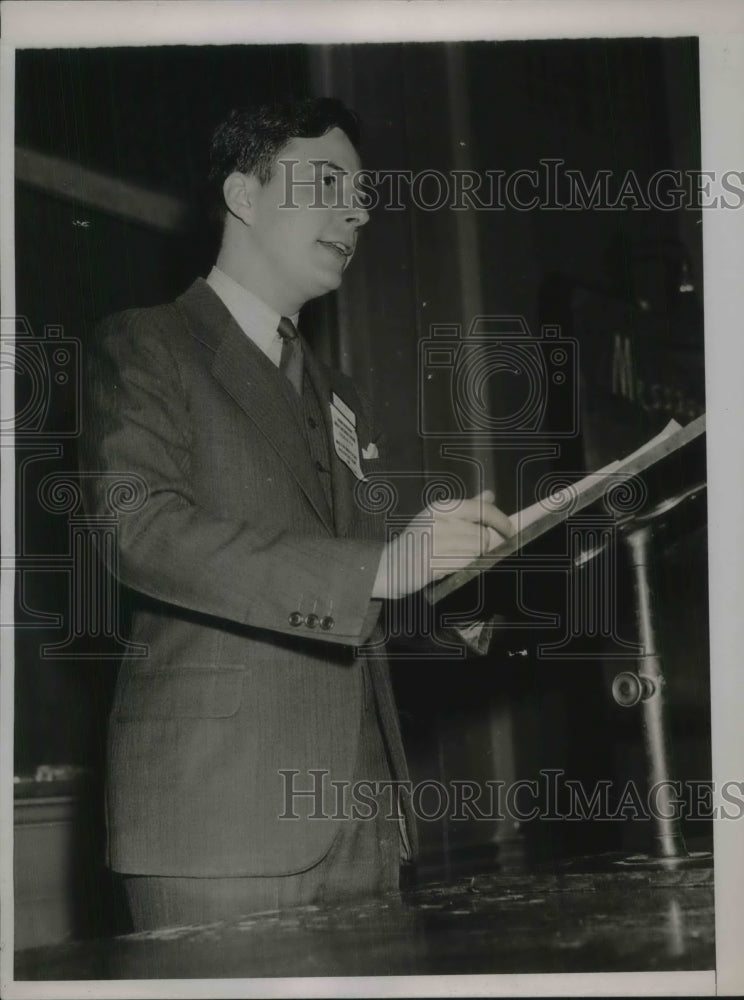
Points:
[290,363]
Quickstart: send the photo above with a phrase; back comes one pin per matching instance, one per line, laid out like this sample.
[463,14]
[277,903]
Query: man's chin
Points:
[330,282]
[320,290]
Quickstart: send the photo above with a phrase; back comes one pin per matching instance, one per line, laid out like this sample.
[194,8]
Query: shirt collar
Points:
[256,319]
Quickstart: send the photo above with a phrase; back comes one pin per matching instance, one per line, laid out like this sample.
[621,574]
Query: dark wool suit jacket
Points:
[234,543]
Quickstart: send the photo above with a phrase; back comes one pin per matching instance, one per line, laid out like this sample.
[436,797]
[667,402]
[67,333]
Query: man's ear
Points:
[239,190]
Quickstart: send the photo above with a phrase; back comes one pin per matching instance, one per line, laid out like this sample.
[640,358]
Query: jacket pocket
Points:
[187,693]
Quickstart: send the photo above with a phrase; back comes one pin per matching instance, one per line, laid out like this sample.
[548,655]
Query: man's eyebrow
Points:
[333,166]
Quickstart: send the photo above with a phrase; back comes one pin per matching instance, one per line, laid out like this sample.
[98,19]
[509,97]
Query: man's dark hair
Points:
[249,140]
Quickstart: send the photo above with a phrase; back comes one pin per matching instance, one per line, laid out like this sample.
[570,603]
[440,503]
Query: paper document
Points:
[541,508]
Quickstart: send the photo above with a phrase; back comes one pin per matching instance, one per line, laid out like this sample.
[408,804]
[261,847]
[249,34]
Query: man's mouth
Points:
[342,249]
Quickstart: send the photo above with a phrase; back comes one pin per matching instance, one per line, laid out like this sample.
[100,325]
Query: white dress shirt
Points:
[258,321]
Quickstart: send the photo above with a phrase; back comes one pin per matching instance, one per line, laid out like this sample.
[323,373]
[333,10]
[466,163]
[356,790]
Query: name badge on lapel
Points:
[345,441]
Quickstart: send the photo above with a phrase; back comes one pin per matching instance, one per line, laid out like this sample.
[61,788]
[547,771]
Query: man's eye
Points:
[329,180]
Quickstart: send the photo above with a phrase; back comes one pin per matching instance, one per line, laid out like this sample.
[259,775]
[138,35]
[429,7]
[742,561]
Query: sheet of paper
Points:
[541,508]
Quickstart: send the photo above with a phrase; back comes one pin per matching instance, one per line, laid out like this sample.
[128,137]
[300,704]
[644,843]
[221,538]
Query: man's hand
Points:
[437,542]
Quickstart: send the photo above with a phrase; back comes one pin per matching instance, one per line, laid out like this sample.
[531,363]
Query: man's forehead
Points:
[334,148]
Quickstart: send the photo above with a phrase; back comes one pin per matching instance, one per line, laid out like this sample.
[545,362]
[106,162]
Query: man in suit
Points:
[257,571]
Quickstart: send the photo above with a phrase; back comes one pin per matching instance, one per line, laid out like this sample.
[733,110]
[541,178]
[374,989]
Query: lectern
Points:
[658,492]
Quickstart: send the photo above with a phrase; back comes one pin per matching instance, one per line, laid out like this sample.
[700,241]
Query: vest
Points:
[308,412]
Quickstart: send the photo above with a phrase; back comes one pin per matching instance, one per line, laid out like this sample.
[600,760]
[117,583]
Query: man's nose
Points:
[356,214]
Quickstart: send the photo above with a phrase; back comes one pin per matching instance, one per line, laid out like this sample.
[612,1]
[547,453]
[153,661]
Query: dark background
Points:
[144,117]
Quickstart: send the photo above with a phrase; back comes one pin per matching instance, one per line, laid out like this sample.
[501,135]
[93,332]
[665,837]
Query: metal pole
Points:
[668,839]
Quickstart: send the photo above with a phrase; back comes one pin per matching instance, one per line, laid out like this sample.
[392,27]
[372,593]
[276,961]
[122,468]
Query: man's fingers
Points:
[462,541]
[494,518]
[494,539]
[481,511]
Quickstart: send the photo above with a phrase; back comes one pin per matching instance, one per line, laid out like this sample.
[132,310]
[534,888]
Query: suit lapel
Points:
[249,377]
[343,480]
